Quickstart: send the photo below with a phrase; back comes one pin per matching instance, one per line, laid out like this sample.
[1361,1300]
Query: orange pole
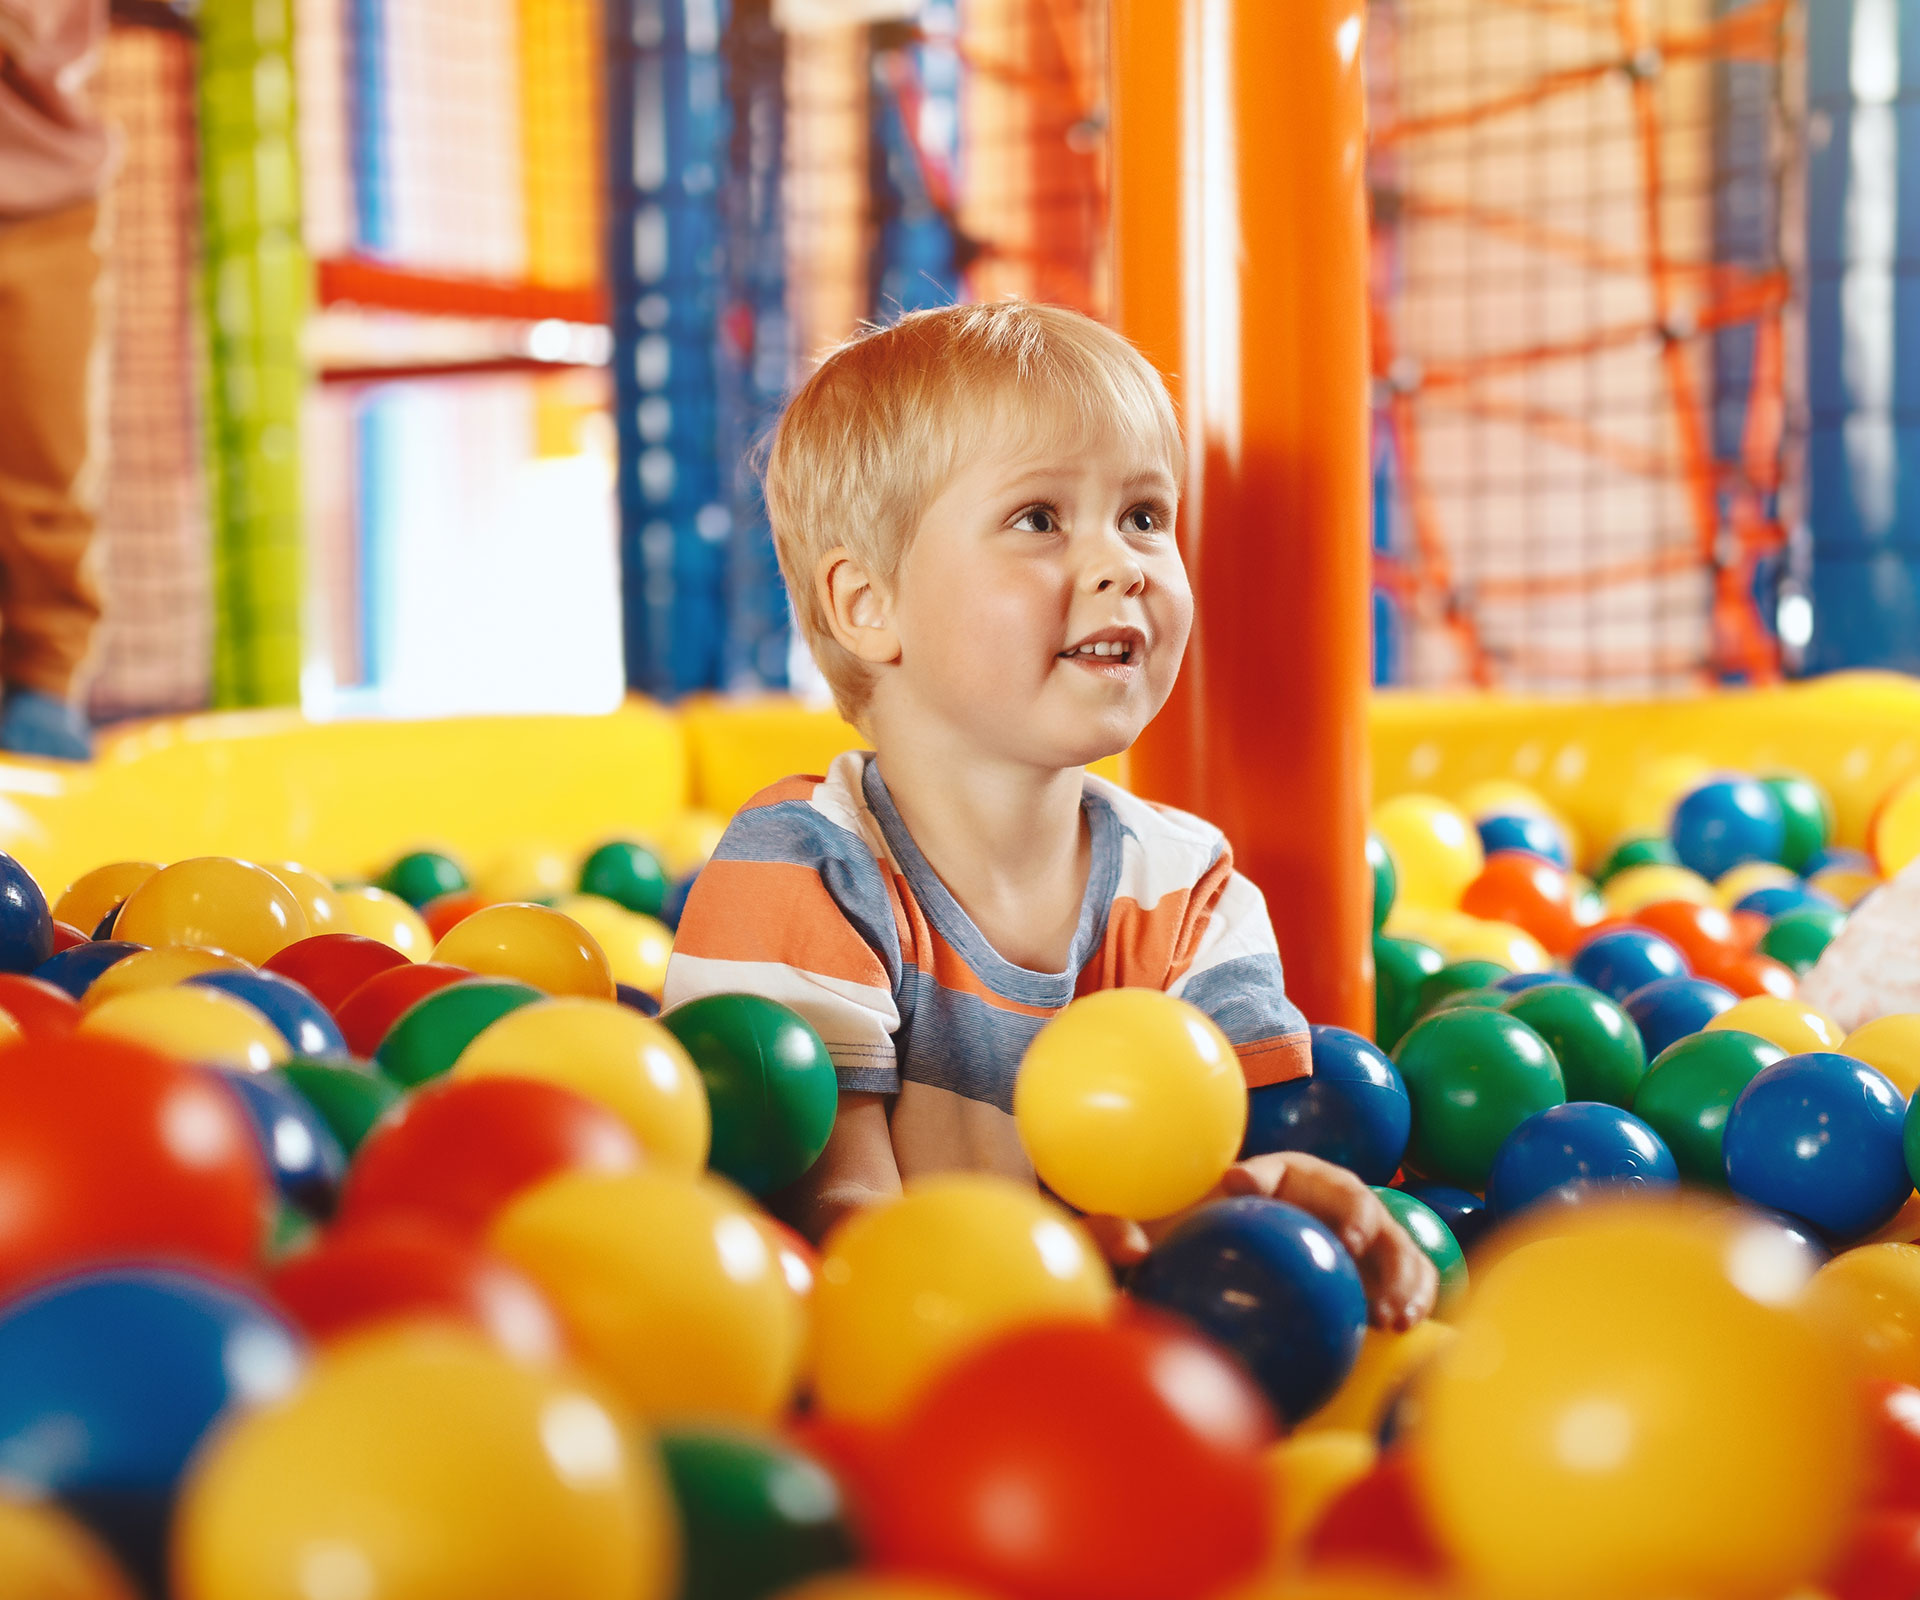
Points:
[1240,254]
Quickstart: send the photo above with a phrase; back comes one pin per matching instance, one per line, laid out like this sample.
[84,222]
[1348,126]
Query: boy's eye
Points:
[1144,519]
[1039,519]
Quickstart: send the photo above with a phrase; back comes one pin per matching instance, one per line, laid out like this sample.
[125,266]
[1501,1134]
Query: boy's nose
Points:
[1116,568]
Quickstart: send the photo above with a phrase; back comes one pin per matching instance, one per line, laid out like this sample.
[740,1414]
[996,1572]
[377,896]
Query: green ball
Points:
[1596,1043]
[1797,939]
[289,1231]
[629,874]
[1690,1088]
[769,1080]
[431,1033]
[1473,1076]
[1426,1228]
[422,876]
[1455,978]
[1400,966]
[1386,882]
[349,1098]
[1912,1138]
[1809,817]
[1643,850]
[756,1516]
[1486,999]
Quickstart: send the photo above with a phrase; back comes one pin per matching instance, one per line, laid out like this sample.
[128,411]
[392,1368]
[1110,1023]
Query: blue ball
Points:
[1539,836]
[75,967]
[108,1382]
[1271,1285]
[301,1151]
[1724,823]
[1465,1213]
[1514,982]
[636,999]
[1777,899]
[1668,1009]
[675,903]
[306,1025]
[1565,1151]
[1818,1136]
[1625,959]
[1838,855]
[1353,1111]
[26,925]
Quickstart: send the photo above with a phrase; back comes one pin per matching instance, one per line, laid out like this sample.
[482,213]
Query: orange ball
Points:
[93,894]
[1700,933]
[532,943]
[217,904]
[445,912]
[1529,892]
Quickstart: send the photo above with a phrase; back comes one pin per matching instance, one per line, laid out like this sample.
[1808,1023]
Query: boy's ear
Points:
[858,610]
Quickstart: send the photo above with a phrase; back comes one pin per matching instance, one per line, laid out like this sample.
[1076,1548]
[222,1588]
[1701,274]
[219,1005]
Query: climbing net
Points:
[1581,311]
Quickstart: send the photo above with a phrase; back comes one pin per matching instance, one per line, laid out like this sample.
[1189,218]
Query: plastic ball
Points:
[626,873]
[1465,1213]
[42,1010]
[1698,932]
[1735,885]
[1536,834]
[95,894]
[665,1285]
[525,871]
[1625,959]
[907,1287]
[1400,967]
[319,900]
[1797,1029]
[349,1096]
[215,903]
[636,1000]
[1457,978]
[1782,898]
[1436,850]
[770,1085]
[864,1585]
[1690,1088]
[157,969]
[1378,1525]
[1893,833]
[77,968]
[1891,1043]
[1806,818]
[688,839]
[1797,939]
[1463,938]
[1893,1411]
[1868,1300]
[432,1033]
[1426,1228]
[1389,1361]
[1353,1110]
[46,1555]
[192,1025]
[615,1057]
[1642,850]
[1385,883]
[1530,893]
[1133,1451]
[386,918]
[1567,1151]
[1474,1076]
[300,1150]
[1750,975]
[674,907]
[423,875]
[1633,1406]
[637,947]
[1633,888]
[301,1020]
[1306,1472]
[330,966]
[26,923]
[1599,1049]
[1130,1103]
[1881,1560]
[533,944]
[1723,823]
[420,1462]
[1818,1136]
[445,912]
[1668,1009]
[756,1514]
[368,1014]
[1845,886]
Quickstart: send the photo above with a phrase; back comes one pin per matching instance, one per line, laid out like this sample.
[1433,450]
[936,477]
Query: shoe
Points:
[36,724]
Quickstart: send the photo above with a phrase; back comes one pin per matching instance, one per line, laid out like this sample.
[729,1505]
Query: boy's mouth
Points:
[1108,652]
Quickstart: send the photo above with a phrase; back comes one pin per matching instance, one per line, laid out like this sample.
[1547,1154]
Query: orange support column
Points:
[1240,268]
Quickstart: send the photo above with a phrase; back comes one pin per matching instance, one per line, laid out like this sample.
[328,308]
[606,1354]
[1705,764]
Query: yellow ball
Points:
[216,903]
[1735,884]
[1627,891]
[157,969]
[46,1555]
[908,1286]
[535,944]
[636,947]
[1436,850]
[525,871]
[1388,1361]
[1845,884]
[1307,1472]
[418,1463]
[665,1285]
[1795,1028]
[1647,804]
[611,1054]
[93,894]
[193,1024]
[1502,797]
[1130,1103]
[1460,937]
[1869,1300]
[1635,1407]
[1893,1045]
[318,898]
[376,914]
[686,841]
[875,1586]
[1893,837]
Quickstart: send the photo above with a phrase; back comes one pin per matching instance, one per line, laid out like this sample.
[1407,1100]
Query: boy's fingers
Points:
[1121,1241]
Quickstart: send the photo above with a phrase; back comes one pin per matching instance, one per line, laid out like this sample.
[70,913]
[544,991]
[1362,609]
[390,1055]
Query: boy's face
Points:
[1042,608]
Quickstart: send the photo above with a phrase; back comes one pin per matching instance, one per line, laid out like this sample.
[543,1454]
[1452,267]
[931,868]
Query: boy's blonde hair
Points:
[875,434]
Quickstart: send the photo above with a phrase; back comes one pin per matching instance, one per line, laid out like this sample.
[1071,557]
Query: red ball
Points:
[66,936]
[1378,1523]
[855,1453]
[444,912]
[43,1010]
[1530,892]
[110,1151]
[367,1014]
[1081,1461]
[1700,933]
[458,1150]
[397,1267]
[332,965]
[1893,1449]
[1881,1560]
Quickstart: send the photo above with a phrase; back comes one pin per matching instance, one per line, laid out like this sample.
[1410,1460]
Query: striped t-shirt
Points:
[819,898]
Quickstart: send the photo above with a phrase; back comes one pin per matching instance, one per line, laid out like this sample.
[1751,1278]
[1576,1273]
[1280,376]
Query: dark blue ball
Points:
[1270,1284]
[103,929]
[1466,1215]
[26,925]
[1726,822]
[1668,1009]
[75,967]
[1539,836]
[676,901]
[109,1380]
[1514,982]
[1353,1111]
[306,1025]
[1566,1151]
[636,999]
[301,1150]
[1622,960]
[1777,899]
[1818,1136]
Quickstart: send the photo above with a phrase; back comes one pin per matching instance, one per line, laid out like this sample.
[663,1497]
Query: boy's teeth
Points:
[1102,648]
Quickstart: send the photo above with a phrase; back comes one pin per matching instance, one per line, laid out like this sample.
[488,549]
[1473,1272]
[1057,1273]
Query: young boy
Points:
[974,513]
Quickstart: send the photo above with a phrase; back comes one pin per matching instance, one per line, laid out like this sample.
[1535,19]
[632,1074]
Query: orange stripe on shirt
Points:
[796,788]
[1151,947]
[1276,1060]
[948,968]
[774,911]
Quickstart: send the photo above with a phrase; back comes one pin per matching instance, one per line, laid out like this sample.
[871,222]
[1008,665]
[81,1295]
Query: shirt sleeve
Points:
[1234,976]
[793,907]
